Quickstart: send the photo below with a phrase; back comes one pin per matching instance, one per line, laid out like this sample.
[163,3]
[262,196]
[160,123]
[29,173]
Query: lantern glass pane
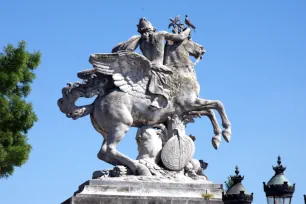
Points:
[280,200]
[287,200]
[270,200]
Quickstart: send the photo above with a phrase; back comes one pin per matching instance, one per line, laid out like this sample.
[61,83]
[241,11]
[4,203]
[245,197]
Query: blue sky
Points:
[255,64]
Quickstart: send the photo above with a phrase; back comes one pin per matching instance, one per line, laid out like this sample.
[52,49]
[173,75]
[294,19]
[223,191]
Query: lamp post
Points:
[279,190]
[237,194]
[305,199]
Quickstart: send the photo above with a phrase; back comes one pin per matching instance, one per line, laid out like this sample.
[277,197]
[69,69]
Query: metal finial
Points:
[279,160]
[279,169]
[237,170]
[237,178]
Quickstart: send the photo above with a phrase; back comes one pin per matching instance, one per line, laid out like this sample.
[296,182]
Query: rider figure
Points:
[152,45]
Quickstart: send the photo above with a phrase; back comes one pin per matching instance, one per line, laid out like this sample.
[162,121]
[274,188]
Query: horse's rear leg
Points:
[102,154]
[217,105]
[113,138]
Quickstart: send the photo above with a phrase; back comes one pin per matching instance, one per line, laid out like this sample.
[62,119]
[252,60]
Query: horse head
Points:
[177,54]
[194,49]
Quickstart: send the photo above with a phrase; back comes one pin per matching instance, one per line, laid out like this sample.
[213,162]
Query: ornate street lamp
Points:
[279,190]
[236,194]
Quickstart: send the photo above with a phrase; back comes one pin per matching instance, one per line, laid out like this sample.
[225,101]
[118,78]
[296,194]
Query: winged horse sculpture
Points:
[120,83]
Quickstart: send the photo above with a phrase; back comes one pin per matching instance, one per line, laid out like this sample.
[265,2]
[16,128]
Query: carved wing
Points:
[130,71]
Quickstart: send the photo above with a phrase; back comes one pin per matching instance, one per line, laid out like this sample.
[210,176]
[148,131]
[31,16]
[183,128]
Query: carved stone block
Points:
[130,191]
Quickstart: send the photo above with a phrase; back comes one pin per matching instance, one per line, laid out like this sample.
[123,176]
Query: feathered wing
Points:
[129,45]
[130,71]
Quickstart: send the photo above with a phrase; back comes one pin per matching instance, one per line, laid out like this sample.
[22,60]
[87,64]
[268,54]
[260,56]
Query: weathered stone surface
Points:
[96,199]
[137,90]
[149,142]
[177,152]
[116,190]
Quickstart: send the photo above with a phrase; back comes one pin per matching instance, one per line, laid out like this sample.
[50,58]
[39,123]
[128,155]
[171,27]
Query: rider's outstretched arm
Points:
[129,45]
[176,37]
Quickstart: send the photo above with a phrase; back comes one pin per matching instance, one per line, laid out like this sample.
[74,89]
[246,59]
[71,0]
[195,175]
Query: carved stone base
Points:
[94,199]
[145,190]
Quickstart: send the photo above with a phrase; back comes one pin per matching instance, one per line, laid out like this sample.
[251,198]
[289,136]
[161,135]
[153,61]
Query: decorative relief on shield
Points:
[177,152]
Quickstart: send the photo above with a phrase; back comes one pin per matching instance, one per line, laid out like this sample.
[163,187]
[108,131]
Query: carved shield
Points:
[177,152]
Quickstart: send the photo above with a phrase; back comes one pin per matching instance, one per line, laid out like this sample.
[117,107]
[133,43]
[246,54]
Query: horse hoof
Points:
[227,134]
[216,140]
[142,170]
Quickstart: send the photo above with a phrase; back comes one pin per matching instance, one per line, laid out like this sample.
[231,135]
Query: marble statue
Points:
[157,92]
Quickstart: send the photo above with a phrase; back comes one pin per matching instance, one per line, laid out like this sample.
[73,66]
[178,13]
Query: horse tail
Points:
[90,87]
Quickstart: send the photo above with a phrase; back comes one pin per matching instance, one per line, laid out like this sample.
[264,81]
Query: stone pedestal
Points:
[145,191]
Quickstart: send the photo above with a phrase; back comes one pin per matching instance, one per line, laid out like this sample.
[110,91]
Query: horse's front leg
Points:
[216,140]
[217,105]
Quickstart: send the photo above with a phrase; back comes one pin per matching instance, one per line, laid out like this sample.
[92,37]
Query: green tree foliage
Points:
[16,115]
[228,183]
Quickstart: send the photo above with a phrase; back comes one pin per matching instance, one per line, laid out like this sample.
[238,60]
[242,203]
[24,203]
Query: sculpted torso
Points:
[153,47]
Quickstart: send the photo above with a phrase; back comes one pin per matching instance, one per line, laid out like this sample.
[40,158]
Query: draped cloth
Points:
[160,80]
